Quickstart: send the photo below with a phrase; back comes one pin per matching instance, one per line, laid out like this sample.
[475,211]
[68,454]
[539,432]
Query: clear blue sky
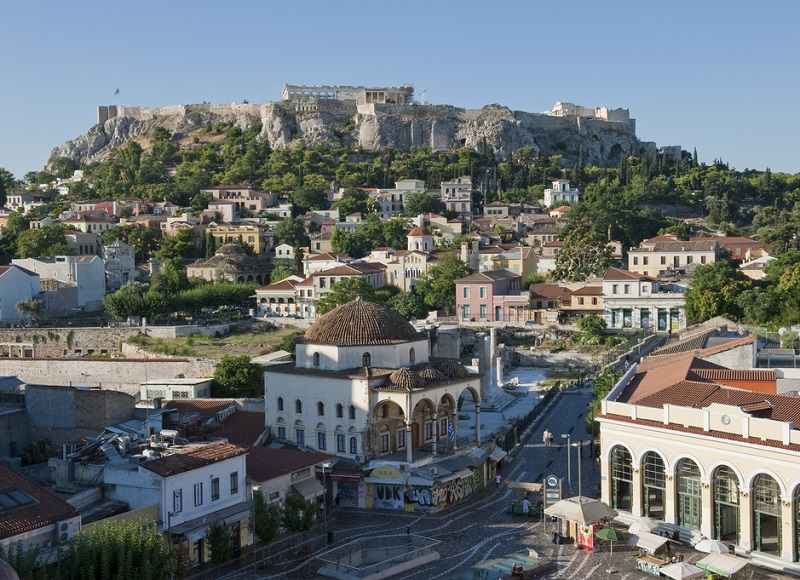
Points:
[717,75]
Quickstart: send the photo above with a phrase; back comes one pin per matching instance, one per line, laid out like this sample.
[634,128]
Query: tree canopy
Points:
[715,290]
[438,284]
[236,376]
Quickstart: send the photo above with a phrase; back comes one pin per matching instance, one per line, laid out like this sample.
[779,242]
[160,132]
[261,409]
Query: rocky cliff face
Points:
[372,127]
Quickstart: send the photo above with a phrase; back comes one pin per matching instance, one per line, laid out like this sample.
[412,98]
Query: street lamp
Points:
[326,465]
[568,437]
[256,489]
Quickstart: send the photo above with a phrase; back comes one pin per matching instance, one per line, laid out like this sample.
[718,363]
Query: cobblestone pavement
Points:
[482,528]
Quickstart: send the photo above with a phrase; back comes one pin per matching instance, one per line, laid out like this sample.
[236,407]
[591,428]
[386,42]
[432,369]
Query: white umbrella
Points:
[682,571]
[643,525]
[712,546]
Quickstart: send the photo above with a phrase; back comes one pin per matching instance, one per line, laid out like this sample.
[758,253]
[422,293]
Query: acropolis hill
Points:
[376,118]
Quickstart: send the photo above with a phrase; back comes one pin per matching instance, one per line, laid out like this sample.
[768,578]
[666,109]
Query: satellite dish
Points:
[782,330]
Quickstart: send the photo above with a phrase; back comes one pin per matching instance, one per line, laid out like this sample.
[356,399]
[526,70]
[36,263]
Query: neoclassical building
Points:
[709,451]
[365,387]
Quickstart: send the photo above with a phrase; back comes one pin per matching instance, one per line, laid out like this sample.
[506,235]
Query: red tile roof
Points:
[46,510]
[265,463]
[243,428]
[193,458]
[206,408]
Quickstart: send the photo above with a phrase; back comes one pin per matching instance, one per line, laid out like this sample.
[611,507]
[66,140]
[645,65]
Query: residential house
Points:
[120,264]
[275,473]
[16,284]
[403,267]
[324,280]
[34,517]
[560,212]
[244,198]
[284,253]
[547,259]
[89,223]
[221,210]
[250,234]
[85,273]
[457,197]
[168,389]
[194,487]
[24,201]
[666,252]
[550,303]
[281,298]
[741,249]
[561,194]
[492,296]
[586,299]
[632,300]
[84,244]
[317,262]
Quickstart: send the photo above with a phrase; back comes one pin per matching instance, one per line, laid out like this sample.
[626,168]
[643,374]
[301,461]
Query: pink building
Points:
[492,296]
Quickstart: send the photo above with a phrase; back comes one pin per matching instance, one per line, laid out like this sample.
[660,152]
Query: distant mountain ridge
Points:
[375,126]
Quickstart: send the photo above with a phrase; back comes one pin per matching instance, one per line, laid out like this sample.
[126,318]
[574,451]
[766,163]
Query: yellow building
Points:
[249,233]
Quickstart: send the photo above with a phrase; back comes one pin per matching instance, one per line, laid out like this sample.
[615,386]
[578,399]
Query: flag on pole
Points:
[117,91]
[450,432]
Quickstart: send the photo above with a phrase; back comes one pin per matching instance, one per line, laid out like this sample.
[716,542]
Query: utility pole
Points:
[568,437]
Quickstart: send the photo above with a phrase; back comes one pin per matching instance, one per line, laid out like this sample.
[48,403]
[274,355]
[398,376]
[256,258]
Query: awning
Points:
[497,454]
[197,528]
[583,510]
[648,541]
[309,488]
[721,564]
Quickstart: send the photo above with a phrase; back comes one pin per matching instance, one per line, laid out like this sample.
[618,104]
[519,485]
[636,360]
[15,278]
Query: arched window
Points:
[352,412]
[316,359]
[298,406]
[690,501]
[385,411]
[766,514]
[339,411]
[366,360]
[280,403]
[320,408]
[653,485]
[412,356]
[621,478]
[726,504]
[353,445]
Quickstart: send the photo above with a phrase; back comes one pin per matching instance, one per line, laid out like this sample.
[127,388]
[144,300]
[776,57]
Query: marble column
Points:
[670,496]
[478,424]
[706,509]
[637,498]
[409,451]
[787,529]
[435,433]
[454,423]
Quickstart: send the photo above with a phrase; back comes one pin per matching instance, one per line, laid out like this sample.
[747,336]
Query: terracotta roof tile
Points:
[46,509]
[243,428]
[193,458]
[360,322]
[265,463]
[206,408]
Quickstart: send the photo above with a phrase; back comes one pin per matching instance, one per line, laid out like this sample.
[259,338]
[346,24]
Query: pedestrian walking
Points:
[497,482]
[526,505]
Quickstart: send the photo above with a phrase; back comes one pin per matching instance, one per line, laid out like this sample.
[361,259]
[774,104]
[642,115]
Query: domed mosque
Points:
[365,388]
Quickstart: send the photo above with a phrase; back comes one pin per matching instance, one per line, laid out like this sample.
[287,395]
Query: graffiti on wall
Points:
[387,496]
[418,499]
[422,499]
[348,493]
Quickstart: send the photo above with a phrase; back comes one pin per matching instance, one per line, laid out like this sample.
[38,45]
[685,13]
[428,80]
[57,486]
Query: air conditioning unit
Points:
[434,471]
[358,458]
[65,531]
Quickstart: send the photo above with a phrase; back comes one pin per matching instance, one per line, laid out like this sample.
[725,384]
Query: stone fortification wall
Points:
[123,375]
[605,135]
[58,342]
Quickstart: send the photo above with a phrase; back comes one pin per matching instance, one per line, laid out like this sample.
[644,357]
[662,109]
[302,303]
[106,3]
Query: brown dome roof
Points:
[420,232]
[405,379]
[361,323]
[454,369]
[431,375]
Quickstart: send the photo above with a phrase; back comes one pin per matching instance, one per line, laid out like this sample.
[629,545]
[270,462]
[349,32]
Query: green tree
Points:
[117,549]
[421,202]
[30,308]
[142,240]
[281,272]
[584,254]
[438,285]
[181,245]
[533,278]
[592,324]
[47,241]
[354,200]
[409,305]
[346,290]
[714,291]
[306,198]
[211,245]
[267,518]
[604,381]
[236,376]
[298,515]
[7,183]
[290,231]
[220,543]
[171,279]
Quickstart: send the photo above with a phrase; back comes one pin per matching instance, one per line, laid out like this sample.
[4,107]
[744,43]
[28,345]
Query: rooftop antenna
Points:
[423,97]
